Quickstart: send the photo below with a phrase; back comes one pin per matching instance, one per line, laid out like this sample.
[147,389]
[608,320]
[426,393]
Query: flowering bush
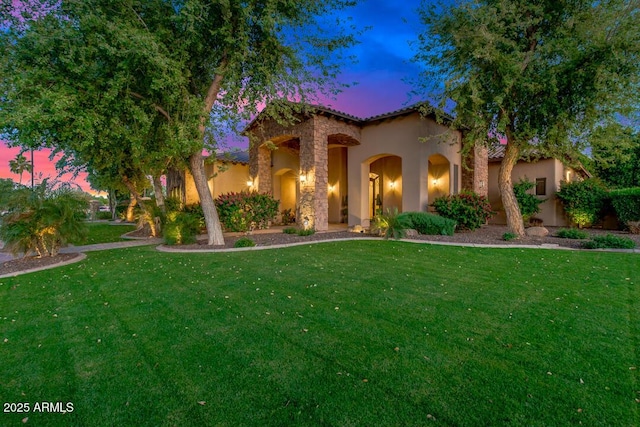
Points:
[467,209]
[246,211]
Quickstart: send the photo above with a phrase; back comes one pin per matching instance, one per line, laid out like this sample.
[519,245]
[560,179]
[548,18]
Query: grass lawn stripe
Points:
[476,338]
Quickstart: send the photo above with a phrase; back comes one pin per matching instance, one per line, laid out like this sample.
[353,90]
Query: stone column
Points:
[263,172]
[475,172]
[306,215]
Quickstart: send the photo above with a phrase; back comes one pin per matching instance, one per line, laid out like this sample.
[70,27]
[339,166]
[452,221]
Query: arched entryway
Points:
[438,181]
[285,189]
[385,184]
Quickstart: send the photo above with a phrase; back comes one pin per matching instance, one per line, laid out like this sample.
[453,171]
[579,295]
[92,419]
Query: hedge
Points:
[428,223]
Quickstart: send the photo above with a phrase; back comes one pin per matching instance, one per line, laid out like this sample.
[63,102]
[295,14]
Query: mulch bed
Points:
[488,235]
[30,262]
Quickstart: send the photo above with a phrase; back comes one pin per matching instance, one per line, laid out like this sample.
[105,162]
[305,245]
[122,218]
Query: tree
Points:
[615,150]
[19,165]
[534,75]
[162,78]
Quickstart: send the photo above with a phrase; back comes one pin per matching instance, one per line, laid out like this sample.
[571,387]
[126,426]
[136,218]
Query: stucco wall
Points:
[551,211]
[337,183]
[229,178]
[400,137]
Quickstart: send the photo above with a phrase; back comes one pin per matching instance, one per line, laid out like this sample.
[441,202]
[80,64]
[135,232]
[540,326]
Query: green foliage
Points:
[626,203]
[122,87]
[299,231]
[181,228]
[616,155]
[103,215]
[244,242]
[306,231]
[572,233]
[246,211]
[509,236]
[610,241]
[529,204]
[468,209]
[390,224]
[6,187]
[538,75]
[43,219]
[429,224]
[583,201]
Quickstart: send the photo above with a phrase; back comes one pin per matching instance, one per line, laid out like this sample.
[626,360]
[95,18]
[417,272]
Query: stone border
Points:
[81,256]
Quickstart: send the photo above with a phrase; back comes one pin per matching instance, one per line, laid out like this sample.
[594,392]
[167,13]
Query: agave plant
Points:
[391,224]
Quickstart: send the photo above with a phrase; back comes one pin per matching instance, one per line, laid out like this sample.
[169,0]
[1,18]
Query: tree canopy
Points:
[143,84]
[536,75]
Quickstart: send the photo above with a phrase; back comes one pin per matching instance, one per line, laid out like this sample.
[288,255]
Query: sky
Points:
[382,73]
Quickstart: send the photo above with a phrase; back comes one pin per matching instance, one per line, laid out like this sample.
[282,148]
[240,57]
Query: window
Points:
[541,186]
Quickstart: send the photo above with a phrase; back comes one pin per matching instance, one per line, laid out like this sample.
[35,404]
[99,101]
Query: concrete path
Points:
[113,245]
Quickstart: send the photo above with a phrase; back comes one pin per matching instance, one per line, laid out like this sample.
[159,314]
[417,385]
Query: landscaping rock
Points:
[410,232]
[356,229]
[537,232]
[634,227]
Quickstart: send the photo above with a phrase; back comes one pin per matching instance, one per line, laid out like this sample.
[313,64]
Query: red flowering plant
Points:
[245,211]
[468,209]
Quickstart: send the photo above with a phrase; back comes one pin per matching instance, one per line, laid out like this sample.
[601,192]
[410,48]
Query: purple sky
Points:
[383,66]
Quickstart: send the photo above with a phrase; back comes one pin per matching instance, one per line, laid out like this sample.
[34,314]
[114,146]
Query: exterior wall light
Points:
[435,182]
[303,178]
[250,183]
[392,185]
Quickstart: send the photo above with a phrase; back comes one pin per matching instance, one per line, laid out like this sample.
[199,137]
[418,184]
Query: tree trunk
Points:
[147,216]
[509,201]
[214,230]
[132,204]
[157,189]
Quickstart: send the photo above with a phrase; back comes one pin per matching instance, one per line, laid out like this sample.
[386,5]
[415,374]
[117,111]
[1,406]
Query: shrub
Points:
[467,209]
[427,223]
[244,242]
[246,211]
[509,236]
[572,233]
[43,219]
[299,231]
[609,241]
[626,203]
[103,215]
[306,231]
[181,228]
[195,209]
[529,204]
[390,224]
[583,201]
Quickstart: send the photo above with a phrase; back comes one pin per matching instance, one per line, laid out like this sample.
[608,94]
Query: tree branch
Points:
[212,93]
[158,108]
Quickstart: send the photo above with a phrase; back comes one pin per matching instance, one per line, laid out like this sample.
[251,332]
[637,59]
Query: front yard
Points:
[340,333]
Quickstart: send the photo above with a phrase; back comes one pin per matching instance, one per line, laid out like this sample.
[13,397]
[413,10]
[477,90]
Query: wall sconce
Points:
[332,188]
[435,182]
[392,185]
[250,183]
[303,177]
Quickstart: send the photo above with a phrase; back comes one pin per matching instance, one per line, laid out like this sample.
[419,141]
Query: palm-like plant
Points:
[42,220]
[20,165]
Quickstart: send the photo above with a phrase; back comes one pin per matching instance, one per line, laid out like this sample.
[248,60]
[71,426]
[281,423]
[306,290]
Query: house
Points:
[331,167]
[227,172]
[546,173]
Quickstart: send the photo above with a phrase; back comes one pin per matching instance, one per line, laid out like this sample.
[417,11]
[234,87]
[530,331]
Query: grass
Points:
[100,232]
[342,333]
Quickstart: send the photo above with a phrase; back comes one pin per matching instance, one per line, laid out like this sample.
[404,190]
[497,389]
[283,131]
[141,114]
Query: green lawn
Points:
[344,333]
[102,232]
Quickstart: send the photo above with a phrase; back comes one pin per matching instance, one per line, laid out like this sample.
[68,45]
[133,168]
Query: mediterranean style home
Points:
[331,167]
